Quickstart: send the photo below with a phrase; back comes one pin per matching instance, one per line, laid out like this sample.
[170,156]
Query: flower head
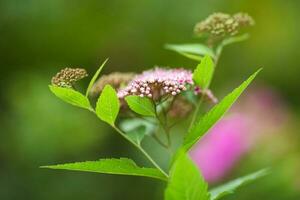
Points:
[68,76]
[160,82]
[222,24]
[244,19]
[116,80]
[157,83]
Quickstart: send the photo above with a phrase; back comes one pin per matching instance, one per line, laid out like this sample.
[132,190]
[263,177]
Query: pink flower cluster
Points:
[158,82]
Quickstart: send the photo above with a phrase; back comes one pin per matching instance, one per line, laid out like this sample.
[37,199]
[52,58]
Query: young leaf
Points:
[130,124]
[191,56]
[95,78]
[186,182]
[71,96]
[141,105]
[108,105]
[136,129]
[216,113]
[193,49]
[204,72]
[230,187]
[137,134]
[122,166]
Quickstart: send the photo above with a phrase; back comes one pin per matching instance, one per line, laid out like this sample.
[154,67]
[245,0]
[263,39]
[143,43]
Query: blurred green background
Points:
[39,37]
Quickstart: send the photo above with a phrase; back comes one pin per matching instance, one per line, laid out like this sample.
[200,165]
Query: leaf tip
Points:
[105,61]
[45,167]
[257,71]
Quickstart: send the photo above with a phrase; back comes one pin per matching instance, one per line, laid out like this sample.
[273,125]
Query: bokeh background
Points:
[39,37]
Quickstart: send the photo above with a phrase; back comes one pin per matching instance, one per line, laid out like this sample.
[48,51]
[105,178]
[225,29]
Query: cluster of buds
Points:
[68,76]
[207,94]
[157,83]
[244,19]
[221,24]
[116,80]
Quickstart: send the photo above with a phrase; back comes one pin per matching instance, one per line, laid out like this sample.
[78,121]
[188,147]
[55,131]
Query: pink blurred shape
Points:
[219,150]
[259,112]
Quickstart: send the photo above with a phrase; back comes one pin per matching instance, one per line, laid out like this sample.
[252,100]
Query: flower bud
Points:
[68,76]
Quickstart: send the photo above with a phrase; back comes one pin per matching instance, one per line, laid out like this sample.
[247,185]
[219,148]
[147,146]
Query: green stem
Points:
[218,55]
[194,118]
[159,141]
[139,148]
[165,126]
[143,151]
[166,130]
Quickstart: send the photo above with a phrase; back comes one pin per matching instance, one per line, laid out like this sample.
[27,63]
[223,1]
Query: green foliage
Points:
[192,51]
[108,105]
[202,75]
[122,166]
[95,78]
[141,105]
[186,182]
[71,96]
[231,186]
[136,129]
[216,113]
[137,134]
[197,51]
[191,56]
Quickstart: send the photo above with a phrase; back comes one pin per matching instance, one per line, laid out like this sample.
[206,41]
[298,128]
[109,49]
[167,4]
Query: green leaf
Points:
[108,105]
[136,129]
[137,134]
[141,105]
[95,78]
[71,96]
[204,72]
[231,40]
[130,124]
[215,114]
[122,166]
[230,187]
[191,49]
[191,56]
[185,182]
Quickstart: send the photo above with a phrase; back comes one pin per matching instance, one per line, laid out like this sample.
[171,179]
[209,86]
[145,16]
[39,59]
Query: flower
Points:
[222,24]
[207,94]
[68,76]
[160,82]
[157,83]
[116,80]
[243,19]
